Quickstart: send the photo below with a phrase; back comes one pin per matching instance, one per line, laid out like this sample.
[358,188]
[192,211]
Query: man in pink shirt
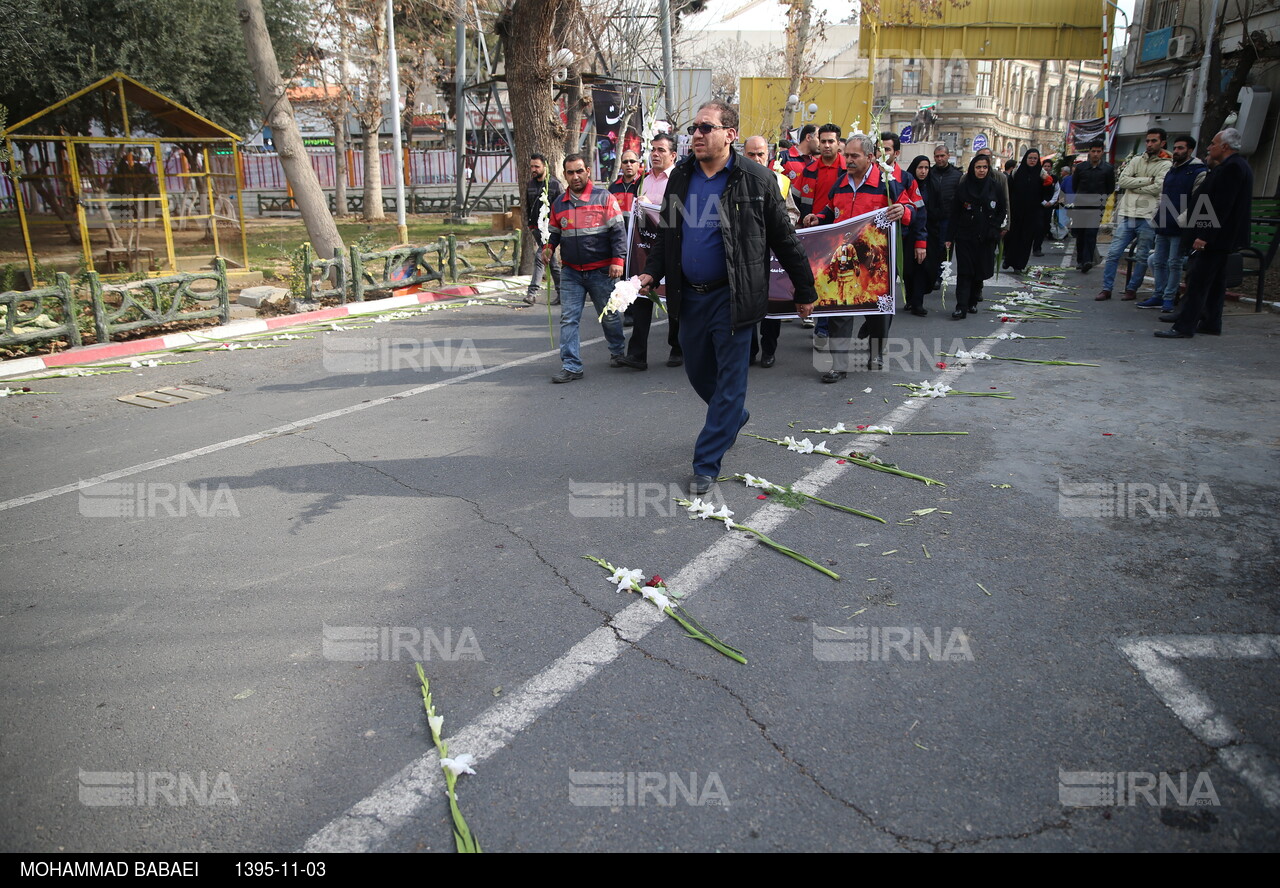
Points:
[662,157]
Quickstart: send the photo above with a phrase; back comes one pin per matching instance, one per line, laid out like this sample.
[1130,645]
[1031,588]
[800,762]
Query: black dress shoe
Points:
[973,309]
[768,361]
[1172,334]
[919,312]
[700,484]
[1202,329]
[875,362]
[1084,269]
[957,315]
[1168,317]
[628,361]
[675,360]
[834,375]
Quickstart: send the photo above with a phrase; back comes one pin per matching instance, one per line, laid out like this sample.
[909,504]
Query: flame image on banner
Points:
[853,263]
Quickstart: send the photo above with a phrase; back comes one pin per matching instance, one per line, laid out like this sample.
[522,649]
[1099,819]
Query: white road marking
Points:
[1156,657]
[369,823]
[273,432]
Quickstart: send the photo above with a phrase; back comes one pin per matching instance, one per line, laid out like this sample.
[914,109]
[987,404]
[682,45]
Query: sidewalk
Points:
[114,351]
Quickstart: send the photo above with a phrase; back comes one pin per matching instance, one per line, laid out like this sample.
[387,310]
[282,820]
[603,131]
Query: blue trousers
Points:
[1127,231]
[1167,259]
[715,360]
[575,288]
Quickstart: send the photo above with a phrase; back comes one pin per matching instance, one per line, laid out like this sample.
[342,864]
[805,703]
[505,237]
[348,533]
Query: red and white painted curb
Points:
[114,351]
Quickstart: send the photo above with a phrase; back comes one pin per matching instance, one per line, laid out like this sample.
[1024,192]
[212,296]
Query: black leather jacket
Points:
[753,222]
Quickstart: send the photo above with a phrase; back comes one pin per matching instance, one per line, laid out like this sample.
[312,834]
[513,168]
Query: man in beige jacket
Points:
[1140,184]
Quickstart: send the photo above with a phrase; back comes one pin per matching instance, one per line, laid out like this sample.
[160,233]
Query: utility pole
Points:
[393,64]
[1202,88]
[460,116]
[664,7]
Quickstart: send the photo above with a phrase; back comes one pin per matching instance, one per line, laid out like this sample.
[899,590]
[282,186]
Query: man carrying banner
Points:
[662,157]
[720,219]
[863,188]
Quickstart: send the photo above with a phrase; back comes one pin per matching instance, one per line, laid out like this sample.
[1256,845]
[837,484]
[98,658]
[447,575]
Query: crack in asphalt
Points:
[605,616]
[903,840]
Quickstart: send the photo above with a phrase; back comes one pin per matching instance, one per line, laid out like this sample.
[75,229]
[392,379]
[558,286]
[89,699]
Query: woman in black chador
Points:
[1027,192]
[977,212]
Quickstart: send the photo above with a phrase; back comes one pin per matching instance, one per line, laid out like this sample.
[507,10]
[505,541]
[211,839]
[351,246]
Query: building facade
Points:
[1159,78]
[1007,105]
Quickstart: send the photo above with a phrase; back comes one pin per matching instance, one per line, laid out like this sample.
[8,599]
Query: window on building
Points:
[957,74]
[1162,14]
[911,77]
[1031,97]
[1051,108]
[984,78]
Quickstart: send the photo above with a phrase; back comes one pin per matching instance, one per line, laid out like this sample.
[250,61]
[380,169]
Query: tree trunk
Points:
[340,164]
[526,41]
[372,177]
[321,228]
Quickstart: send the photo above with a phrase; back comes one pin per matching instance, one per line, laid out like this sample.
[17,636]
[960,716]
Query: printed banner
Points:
[610,109]
[853,265]
[642,231]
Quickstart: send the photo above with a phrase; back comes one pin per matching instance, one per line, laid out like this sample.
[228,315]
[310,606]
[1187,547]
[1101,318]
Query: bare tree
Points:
[278,112]
[1255,46]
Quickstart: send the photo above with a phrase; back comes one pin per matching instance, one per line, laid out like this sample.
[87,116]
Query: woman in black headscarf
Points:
[1027,191]
[919,268]
[976,216]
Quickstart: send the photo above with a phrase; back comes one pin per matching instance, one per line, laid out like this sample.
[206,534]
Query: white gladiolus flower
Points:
[882,430]
[624,293]
[436,721]
[661,601]
[624,578]
[459,765]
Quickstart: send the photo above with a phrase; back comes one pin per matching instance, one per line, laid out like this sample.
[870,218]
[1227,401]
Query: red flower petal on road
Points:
[941,365]
[1106,434]
[763,496]
[841,462]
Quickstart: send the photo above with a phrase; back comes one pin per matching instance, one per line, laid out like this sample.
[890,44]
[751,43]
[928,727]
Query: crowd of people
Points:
[1170,208]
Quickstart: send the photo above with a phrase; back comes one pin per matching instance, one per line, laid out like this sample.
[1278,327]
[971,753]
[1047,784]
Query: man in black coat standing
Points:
[721,215]
[1219,223]
[1093,180]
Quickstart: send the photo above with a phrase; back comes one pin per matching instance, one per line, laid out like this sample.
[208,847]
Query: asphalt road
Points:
[217,652]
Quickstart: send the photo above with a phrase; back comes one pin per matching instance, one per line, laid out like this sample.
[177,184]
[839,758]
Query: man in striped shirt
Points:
[589,228]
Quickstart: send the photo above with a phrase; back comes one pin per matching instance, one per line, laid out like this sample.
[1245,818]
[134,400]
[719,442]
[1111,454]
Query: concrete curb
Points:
[114,351]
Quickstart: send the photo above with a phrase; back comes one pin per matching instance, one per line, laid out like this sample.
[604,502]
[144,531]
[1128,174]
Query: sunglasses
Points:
[630,161]
[705,128]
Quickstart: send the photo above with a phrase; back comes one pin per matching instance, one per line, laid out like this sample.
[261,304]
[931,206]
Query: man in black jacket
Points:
[1219,220]
[1094,180]
[721,216]
[542,181]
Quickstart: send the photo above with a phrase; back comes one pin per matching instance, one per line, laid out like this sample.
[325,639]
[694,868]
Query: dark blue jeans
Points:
[715,360]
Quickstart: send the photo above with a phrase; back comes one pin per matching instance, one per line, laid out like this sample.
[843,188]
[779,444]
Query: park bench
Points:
[1264,240]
